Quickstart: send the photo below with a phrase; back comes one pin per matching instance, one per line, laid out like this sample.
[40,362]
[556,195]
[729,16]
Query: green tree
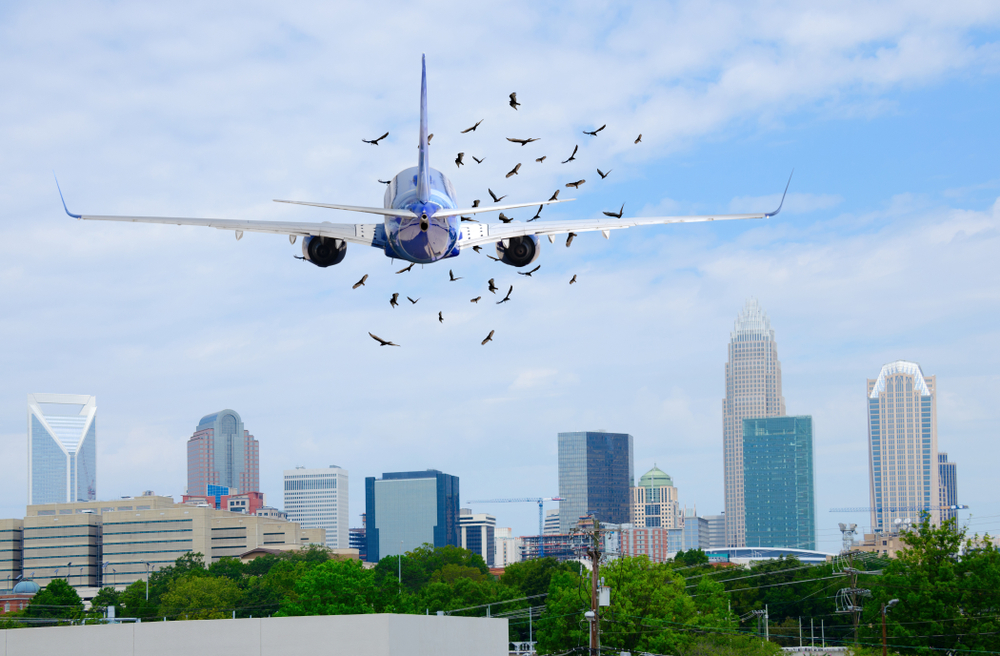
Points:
[562,626]
[419,565]
[229,567]
[450,573]
[260,598]
[105,597]
[729,645]
[56,601]
[194,597]
[532,577]
[334,588]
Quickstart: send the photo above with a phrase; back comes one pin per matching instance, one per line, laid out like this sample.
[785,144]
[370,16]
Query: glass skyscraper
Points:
[753,389]
[318,498]
[778,482]
[948,477]
[405,510]
[62,448]
[221,452]
[595,474]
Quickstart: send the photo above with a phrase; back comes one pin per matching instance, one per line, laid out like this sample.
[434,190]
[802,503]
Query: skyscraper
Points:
[778,482]
[948,477]
[318,498]
[478,534]
[753,390]
[902,445]
[654,502]
[404,510]
[222,452]
[595,474]
[62,448]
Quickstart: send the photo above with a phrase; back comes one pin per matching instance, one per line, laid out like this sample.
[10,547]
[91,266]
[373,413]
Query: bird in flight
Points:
[569,239]
[385,182]
[603,174]
[504,218]
[489,338]
[414,302]
[495,259]
[513,100]
[475,300]
[473,128]
[573,156]
[538,214]
[555,195]
[452,276]
[458,160]
[639,138]
[475,203]
[429,137]
[528,273]
[469,218]
[440,318]
[382,342]
[493,288]
[541,159]
[374,142]
[392,301]
[573,279]
[478,249]
[360,282]
[594,133]
[405,269]
[575,185]
[614,215]
[522,141]
[514,170]
[507,297]
[494,196]
[478,161]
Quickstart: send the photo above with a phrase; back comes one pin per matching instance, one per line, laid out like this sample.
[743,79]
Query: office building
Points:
[507,547]
[650,542]
[11,547]
[551,525]
[595,473]
[62,448]
[902,445]
[778,482]
[318,498]
[948,481]
[358,538]
[753,389]
[696,533]
[478,534]
[654,502]
[716,531]
[405,510]
[562,546]
[222,452]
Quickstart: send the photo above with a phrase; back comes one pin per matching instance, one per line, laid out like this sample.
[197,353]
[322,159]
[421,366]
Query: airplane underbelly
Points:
[416,245]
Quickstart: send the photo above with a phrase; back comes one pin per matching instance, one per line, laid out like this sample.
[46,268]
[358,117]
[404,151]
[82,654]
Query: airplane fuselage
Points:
[421,238]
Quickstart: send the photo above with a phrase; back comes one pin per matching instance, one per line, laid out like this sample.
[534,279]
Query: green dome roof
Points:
[26,587]
[655,478]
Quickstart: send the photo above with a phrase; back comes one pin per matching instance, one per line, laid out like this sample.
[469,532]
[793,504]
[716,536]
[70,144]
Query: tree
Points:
[730,645]
[532,577]
[229,567]
[56,601]
[342,587]
[562,626]
[104,598]
[450,573]
[422,563]
[194,597]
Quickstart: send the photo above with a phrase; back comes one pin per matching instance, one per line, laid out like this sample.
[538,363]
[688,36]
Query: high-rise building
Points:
[778,482]
[654,502]
[478,534]
[62,448]
[716,531]
[405,510]
[551,525]
[318,498]
[358,540]
[595,474]
[221,452]
[507,549]
[948,478]
[902,445]
[753,389]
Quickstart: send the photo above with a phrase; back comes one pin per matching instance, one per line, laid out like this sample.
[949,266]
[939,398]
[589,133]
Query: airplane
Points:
[422,220]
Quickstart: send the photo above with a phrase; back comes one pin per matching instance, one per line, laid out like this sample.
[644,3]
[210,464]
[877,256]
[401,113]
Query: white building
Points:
[62,448]
[551,526]
[318,498]
[477,534]
[508,547]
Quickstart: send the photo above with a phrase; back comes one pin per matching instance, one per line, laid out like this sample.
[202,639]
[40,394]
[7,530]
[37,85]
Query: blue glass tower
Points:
[62,448]
[405,510]
[596,472]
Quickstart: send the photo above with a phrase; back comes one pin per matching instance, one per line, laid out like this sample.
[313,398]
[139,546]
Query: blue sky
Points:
[886,248]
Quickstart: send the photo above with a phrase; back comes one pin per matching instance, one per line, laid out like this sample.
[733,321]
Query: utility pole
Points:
[593,616]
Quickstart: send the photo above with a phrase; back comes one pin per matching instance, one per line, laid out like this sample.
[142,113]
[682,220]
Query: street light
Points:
[885,609]
[69,572]
[147,581]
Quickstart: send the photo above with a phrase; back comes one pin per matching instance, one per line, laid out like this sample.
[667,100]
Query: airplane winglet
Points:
[75,216]
[770,214]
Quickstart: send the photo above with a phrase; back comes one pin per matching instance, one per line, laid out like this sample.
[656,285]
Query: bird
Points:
[458,160]
[507,297]
[514,170]
[469,218]
[575,185]
[528,273]
[476,299]
[639,138]
[618,215]
[382,342]
[452,276]
[412,300]
[440,318]
[594,133]
[360,282]
[429,137]
[538,214]
[569,239]
[523,141]
[473,128]
[385,182]
[602,174]
[475,203]
[504,218]
[489,338]
[478,161]
[494,196]
[541,159]
[513,100]
[554,196]
[573,156]
[493,288]
[573,279]
[495,259]
[405,269]
[374,142]
[392,301]
[478,249]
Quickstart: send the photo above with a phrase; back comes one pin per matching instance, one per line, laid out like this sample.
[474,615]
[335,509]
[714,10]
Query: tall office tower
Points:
[478,533]
[948,477]
[716,531]
[62,448]
[654,502]
[318,498]
[551,525]
[902,445]
[222,452]
[753,389]
[778,482]
[595,474]
[404,510]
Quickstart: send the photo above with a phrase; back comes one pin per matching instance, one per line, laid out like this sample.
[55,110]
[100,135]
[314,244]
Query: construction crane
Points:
[895,509]
[541,515]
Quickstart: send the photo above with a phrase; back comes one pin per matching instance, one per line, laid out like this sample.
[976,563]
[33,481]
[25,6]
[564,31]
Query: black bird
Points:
[374,142]
[495,259]
[493,288]
[392,301]
[475,203]
[385,182]
[573,156]
[594,133]
[404,270]
[513,100]
[575,185]
[476,299]
[523,141]
[514,170]
[382,342]
[602,174]
[458,160]
[504,218]
[538,214]
[429,137]
[478,161]
[541,159]
[573,279]
[478,249]
[473,128]
[507,297]
[440,318]
[452,276]
[555,195]
[469,218]
[528,273]
[360,282]
[618,215]
[489,338]
[639,138]
[494,197]
[411,300]
[569,239]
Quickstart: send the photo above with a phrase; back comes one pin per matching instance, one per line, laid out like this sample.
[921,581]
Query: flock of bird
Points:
[459,162]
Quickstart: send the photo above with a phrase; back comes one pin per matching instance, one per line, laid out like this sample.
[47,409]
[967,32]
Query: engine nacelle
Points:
[519,251]
[324,251]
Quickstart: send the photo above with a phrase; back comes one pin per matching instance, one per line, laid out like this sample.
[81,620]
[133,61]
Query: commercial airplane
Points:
[422,221]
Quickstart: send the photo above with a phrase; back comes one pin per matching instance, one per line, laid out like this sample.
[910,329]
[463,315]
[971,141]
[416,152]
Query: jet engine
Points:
[518,251]
[324,251]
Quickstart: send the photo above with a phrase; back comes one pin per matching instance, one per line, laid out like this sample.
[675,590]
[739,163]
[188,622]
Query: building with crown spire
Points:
[654,502]
[753,390]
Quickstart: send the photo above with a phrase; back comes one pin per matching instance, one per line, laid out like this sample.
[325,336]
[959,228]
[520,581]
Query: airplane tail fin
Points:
[423,166]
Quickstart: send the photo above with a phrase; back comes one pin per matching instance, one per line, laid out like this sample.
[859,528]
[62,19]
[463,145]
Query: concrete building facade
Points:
[405,510]
[654,502]
[11,551]
[551,524]
[62,448]
[716,531]
[507,548]
[596,471]
[222,452]
[319,498]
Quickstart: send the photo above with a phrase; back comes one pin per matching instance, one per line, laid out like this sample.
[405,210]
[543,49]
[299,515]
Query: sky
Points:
[886,247]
